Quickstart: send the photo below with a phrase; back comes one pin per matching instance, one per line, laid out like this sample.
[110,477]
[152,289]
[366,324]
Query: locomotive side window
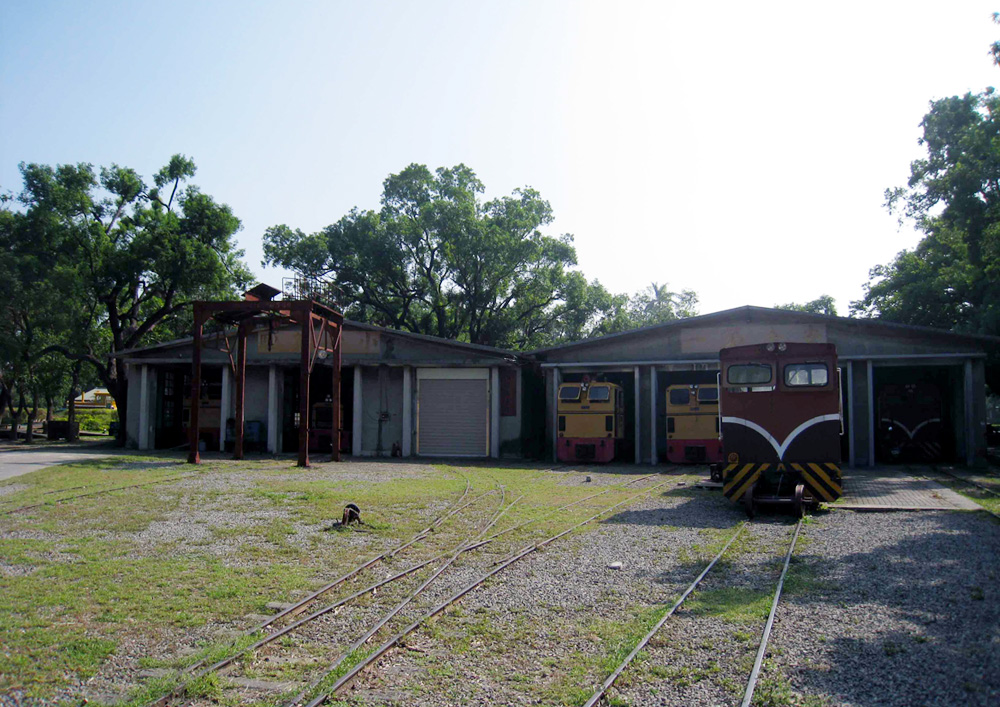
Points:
[599,395]
[680,396]
[570,392]
[708,395]
[806,375]
[749,374]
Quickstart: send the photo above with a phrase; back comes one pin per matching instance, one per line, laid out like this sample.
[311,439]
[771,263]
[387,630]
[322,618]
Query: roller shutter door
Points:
[453,417]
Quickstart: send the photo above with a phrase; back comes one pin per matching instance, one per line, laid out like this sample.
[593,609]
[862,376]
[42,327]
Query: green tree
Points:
[824,304]
[123,258]
[438,259]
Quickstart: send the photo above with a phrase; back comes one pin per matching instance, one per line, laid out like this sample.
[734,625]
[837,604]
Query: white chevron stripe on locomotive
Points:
[782,447]
[916,429]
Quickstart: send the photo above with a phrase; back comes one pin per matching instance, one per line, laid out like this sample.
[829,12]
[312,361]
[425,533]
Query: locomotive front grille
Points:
[822,480]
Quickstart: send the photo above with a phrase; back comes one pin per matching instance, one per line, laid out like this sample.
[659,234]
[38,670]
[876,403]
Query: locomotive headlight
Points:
[782,347]
[770,347]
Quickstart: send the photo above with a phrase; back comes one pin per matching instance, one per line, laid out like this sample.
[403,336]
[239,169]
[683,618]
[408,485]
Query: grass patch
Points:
[731,604]
[93,580]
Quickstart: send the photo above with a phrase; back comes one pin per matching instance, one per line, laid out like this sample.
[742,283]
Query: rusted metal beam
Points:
[241,388]
[335,374]
[194,457]
[305,351]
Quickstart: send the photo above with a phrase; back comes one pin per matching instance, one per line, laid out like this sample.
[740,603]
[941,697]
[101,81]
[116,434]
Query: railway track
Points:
[600,692]
[100,492]
[958,477]
[320,627]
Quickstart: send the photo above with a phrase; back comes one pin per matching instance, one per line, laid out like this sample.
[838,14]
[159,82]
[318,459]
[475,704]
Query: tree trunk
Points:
[48,415]
[29,432]
[74,390]
[15,415]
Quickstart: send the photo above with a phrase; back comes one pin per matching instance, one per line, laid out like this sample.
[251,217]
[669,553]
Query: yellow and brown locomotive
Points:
[693,426]
[780,406]
[591,419]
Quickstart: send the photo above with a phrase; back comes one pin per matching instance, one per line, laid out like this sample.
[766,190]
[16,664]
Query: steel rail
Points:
[752,683]
[59,501]
[981,508]
[299,606]
[181,689]
[978,485]
[659,624]
[551,513]
[382,649]
[274,635]
[399,607]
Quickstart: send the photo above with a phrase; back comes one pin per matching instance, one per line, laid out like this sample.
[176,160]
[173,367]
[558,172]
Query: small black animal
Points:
[352,514]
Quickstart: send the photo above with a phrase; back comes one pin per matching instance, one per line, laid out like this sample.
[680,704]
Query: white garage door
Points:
[453,413]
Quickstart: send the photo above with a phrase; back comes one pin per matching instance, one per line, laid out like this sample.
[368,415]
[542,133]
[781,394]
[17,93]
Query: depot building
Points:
[413,395]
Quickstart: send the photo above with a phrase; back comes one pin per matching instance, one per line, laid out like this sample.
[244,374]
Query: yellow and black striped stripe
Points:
[737,478]
[821,478]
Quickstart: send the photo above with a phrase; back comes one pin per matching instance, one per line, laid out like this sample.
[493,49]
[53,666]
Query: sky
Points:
[740,150]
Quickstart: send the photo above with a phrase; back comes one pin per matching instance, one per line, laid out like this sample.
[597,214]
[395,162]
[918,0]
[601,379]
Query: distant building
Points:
[417,395]
[96,399]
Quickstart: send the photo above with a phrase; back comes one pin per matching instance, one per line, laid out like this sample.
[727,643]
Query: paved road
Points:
[14,462]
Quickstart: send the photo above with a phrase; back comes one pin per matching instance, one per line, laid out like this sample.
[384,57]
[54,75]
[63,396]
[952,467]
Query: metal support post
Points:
[335,398]
[193,430]
[306,350]
[241,388]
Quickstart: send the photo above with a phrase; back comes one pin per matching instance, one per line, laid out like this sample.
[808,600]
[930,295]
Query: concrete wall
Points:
[382,392]
[510,427]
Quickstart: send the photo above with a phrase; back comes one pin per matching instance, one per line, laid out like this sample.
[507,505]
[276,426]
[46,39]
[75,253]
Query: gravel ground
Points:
[904,611]
[880,609]
[897,608]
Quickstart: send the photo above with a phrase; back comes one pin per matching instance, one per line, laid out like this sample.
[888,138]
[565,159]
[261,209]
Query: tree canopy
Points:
[824,304]
[438,259]
[103,262]
[952,278]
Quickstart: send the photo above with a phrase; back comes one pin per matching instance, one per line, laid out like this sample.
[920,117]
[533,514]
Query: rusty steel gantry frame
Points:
[315,320]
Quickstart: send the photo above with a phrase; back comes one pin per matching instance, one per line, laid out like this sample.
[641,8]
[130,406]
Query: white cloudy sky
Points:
[737,149]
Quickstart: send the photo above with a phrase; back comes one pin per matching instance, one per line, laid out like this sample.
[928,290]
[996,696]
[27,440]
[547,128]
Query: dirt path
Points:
[15,462]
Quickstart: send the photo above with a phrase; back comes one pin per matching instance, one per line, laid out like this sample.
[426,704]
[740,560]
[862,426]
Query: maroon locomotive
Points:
[780,406]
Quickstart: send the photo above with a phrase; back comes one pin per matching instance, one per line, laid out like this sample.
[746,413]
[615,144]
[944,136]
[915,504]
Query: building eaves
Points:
[348,323]
[736,312]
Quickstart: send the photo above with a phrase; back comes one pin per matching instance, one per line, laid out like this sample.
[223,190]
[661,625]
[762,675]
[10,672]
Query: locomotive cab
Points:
[781,424]
[591,419]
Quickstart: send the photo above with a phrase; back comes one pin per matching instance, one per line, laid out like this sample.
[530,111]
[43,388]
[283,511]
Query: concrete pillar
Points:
[407,411]
[969,426]
[638,416]
[555,414]
[225,405]
[872,422]
[358,412]
[653,455]
[273,409]
[850,413]
[144,408]
[495,412]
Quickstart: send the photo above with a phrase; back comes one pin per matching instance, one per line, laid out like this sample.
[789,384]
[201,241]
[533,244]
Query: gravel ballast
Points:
[886,608]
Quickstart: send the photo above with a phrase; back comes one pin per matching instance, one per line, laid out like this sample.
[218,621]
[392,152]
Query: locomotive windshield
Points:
[708,395]
[801,375]
[600,394]
[680,396]
[749,374]
[569,392]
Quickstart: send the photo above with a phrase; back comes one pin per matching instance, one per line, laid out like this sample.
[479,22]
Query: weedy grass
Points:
[85,582]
